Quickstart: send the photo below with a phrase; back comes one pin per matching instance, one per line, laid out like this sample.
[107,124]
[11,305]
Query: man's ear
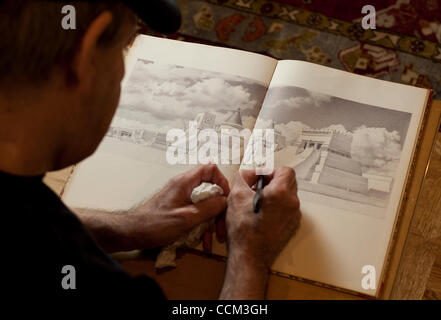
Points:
[83,60]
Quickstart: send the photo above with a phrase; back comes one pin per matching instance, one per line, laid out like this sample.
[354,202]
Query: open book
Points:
[351,140]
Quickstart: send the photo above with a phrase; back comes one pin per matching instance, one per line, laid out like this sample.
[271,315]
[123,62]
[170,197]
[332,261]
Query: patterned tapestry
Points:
[405,47]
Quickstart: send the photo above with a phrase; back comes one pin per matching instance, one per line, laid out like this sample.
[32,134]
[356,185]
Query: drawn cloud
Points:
[170,92]
[310,99]
[291,130]
[377,149]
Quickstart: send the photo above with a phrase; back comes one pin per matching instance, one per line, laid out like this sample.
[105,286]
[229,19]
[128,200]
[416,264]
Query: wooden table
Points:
[418,274]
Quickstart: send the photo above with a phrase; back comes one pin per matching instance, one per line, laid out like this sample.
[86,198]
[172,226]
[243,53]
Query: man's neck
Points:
[28,139]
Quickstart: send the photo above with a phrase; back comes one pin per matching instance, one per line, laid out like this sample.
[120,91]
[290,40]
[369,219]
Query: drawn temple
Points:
[324,157]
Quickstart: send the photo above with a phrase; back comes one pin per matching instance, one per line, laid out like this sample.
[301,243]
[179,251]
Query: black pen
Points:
[258,196]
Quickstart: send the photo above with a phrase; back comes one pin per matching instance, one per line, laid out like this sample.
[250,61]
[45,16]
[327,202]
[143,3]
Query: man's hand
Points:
[255,240]
[171,213]
[164,218]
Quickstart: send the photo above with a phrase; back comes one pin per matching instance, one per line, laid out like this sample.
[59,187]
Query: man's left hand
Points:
[170,213]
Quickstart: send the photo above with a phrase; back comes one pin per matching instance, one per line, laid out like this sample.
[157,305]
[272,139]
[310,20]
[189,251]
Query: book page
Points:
[350,140]
[168,86]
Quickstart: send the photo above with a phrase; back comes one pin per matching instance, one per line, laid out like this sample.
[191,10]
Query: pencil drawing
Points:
[345,153]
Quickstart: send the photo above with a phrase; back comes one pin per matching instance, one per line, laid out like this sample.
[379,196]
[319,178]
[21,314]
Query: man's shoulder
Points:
[46,242]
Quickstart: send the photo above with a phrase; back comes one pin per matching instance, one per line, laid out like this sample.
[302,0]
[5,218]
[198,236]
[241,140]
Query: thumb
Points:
[209,208]
[247,177]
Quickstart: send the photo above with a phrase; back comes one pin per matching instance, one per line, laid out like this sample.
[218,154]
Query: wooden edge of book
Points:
[417,173]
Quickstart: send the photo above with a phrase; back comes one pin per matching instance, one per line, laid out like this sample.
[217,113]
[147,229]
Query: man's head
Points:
[62,85]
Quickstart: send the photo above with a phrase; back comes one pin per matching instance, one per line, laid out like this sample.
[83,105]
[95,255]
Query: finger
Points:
[283,181]
[284,176]
[221,229]
[248,177]
[211,173]
[268,177]
[204,173]
[207,209]
[207,241]
[294,184]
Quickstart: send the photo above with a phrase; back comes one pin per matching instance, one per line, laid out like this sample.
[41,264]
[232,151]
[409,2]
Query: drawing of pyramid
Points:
[324,157]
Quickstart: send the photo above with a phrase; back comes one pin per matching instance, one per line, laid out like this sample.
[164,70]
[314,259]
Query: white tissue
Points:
[204,191]
[167,256]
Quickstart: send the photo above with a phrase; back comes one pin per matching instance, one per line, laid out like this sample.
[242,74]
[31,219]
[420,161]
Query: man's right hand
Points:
[255,240]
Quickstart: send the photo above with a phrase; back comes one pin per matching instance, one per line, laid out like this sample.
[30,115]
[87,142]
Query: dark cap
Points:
[161,15]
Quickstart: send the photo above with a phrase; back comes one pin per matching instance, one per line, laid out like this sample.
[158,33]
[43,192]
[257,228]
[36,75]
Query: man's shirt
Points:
[42,236]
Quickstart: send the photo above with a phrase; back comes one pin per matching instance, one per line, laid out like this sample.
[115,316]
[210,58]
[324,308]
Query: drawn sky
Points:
[285,104]
[160,96]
